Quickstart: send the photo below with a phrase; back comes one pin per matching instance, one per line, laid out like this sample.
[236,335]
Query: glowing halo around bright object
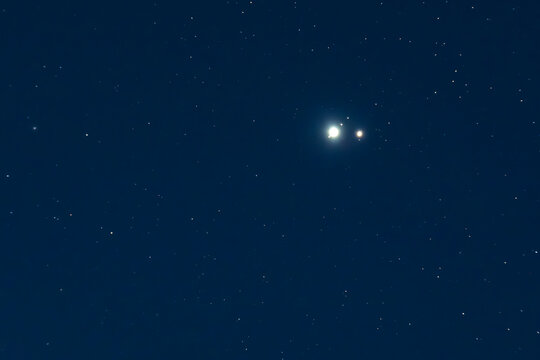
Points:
[359,134]
[333,132]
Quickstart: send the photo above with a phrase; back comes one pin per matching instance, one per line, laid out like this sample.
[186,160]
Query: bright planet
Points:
[333,132]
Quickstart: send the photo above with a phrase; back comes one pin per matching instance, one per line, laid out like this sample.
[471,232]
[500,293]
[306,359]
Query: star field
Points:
[270,180]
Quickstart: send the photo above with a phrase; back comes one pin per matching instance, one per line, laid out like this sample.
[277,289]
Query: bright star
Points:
[359,134]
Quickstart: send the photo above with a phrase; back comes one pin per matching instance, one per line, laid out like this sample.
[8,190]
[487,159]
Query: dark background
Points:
[168,190]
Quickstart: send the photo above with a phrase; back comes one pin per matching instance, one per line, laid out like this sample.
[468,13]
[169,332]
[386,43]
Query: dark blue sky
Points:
[168,190]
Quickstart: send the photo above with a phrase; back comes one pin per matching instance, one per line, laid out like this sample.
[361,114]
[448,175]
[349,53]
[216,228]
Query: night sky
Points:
[168,188]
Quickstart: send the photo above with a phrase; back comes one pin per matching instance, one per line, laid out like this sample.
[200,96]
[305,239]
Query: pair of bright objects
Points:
[333,133]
